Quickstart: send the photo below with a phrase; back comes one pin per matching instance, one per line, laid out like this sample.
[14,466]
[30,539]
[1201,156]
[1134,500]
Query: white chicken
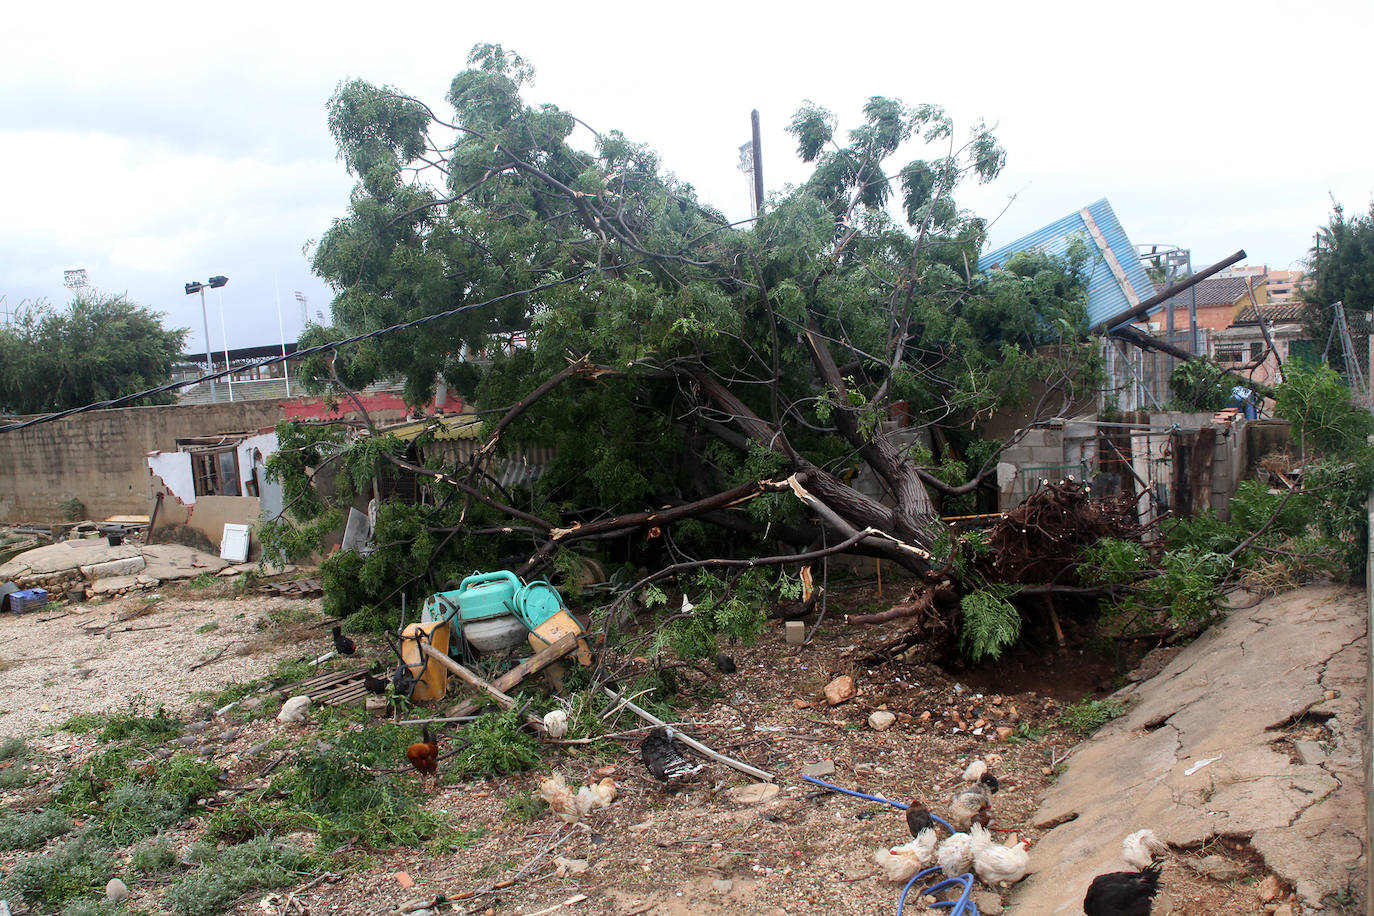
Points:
[994,864]
[899,863]
[1141,848]
[594,796]
[955,854]
[975,770]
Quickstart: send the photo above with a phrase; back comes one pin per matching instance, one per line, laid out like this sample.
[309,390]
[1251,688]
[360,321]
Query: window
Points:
[1231,353]
[214,464]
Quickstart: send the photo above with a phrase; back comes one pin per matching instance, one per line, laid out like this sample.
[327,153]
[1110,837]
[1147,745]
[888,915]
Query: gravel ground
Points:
[62,660]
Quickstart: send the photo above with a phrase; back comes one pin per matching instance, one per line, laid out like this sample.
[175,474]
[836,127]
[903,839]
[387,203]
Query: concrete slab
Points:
[175,561]
[63,556]
[1200,754]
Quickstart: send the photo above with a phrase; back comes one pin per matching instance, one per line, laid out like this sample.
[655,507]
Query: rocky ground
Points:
[698,850]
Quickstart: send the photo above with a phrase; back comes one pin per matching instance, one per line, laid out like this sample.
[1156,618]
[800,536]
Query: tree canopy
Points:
[1340,268]
[100,347]
[738,381]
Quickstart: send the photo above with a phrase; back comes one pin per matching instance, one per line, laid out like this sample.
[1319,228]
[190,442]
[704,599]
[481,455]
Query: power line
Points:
[299,354]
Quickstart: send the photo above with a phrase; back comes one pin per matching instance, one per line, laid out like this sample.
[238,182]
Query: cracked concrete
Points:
[1298,657]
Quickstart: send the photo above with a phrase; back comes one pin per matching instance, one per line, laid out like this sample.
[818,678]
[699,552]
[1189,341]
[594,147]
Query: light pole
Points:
[195,286]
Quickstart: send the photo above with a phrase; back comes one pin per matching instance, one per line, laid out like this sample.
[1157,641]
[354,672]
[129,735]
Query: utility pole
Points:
[758,163]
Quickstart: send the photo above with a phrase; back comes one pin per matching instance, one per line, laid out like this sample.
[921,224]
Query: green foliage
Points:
[100,347]
[14,749]
[83,723]
[225,875]
[75,869]
[1340,268]
[1113,561]
[29,830]
[499,745]
[131,725]
[737,610]
[153,858]
[1088,715]
[524,807]
[1201,385]
[132,812]
[204,580]
[72,509]
[991,623]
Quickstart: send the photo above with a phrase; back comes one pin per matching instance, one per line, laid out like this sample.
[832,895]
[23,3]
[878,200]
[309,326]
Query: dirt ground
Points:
[694,851]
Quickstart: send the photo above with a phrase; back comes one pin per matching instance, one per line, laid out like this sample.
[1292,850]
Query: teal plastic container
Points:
[537,602]
[484,595]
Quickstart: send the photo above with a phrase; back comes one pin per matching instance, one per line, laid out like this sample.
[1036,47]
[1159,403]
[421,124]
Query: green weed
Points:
[452,841]
[1087,715]
[20,830]
[76,868]
[497,745]
[210,627]
[227,874]
[14,749]
[131,725]
[204,580]
[524,807]
[152,858]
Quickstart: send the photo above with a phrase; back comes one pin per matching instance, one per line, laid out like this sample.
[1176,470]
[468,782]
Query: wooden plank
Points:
[502,699]
[539,661]
[1200,469]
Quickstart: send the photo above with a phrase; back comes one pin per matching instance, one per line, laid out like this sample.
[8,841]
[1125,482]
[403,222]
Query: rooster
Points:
[424,756]
[661,755]
[1122,893]
[374,684]
[1141,848]
[342,644]
[995,864]
[901,862]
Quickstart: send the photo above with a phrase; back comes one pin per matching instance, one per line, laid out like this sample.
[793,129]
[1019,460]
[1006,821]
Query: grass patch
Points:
[524,807]
[225,875]
[153,858]
[204,581]
[29,830]
[83,723]
[75,869]
[453,841]
[210,627]
[14,749]
[1088,715]
[132,725]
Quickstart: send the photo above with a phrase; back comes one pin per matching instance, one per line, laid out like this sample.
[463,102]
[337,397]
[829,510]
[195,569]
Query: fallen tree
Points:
[708,390]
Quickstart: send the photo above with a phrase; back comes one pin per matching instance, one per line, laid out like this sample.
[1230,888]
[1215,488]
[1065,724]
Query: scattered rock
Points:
[1004,732]
[1310,752]
[881,720]
[723,885]
[1283,909]
[1268,888]
[116,891]
[195,728]
[230,734]
[256,750]
[840,690]
[989,904]
[795,632]
[819,768]
[294,710]
[1218,868]
[564,867]
[754,793]
[250,702]
[376,706]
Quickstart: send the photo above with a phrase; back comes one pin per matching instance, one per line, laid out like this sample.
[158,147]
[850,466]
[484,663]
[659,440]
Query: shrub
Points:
[77,868]
[29,830]
[151,858]
[227,874]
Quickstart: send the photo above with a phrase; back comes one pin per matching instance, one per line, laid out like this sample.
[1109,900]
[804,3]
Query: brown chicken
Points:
[424,756]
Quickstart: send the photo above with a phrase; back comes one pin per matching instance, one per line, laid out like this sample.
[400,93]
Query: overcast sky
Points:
[153,144]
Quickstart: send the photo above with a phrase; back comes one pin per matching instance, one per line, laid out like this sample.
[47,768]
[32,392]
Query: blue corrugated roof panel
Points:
[1106,296]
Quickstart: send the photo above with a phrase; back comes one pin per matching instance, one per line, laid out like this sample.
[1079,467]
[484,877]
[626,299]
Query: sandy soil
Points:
[67,659]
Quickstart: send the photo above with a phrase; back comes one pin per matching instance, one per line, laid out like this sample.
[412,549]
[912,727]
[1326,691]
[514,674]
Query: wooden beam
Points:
[538,662]
[463,674]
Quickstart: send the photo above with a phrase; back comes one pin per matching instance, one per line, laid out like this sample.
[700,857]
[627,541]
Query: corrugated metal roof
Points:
[1107,296]
[463,426]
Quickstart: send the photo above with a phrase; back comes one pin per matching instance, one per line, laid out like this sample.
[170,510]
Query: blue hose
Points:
[877,798]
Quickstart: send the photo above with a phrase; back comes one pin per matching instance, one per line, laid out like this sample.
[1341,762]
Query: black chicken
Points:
[374,684]
[342,644]
[664,760]
[1122,893]
[725,664]
[918,818]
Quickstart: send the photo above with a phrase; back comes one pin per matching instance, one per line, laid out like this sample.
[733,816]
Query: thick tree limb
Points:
[552,382]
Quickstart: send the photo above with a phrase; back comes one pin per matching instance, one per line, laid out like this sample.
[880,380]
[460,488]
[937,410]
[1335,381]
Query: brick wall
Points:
[98,457]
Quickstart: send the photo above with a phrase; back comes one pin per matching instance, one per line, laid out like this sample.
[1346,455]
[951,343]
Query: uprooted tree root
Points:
[1037,545]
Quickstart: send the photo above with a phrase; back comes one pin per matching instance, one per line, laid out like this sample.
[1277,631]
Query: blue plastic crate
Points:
[28,599]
